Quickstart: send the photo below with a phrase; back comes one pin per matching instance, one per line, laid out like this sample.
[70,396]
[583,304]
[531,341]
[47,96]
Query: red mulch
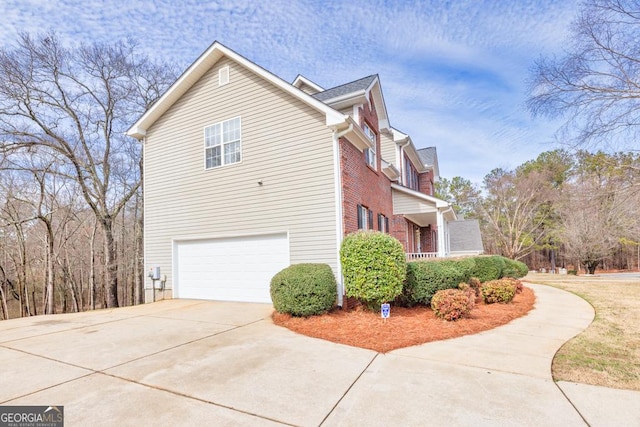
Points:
[406,326]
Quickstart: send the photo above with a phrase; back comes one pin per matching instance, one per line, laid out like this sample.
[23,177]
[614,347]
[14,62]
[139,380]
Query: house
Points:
[245,174]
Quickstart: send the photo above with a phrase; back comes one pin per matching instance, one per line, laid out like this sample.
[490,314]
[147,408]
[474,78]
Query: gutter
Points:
[337,176]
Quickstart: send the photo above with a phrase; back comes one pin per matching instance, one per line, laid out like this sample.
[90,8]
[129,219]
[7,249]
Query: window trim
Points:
[383,223]
[370,153]
[223,144]
[364,218]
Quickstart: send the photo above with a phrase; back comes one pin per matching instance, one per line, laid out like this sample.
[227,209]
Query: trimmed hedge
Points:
[515,269]
[451,304]
[374,267]
[425,278]
[304,289]
[489,267]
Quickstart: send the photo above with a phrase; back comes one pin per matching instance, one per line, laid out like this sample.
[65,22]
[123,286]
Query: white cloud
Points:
[452,72]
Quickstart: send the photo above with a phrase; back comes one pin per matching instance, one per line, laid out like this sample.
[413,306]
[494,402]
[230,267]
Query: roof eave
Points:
[300,79]
[415,158]
[347,99]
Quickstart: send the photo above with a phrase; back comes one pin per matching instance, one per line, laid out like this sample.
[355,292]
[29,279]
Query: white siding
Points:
[285,144]
[406,204]
[388,149]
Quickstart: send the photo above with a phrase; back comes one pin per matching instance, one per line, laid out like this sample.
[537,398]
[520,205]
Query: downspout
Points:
[143,142]
[401,161]
[337,175]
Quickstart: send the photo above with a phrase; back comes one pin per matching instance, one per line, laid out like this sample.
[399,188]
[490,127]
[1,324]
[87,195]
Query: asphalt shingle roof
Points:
[346,88]
[427,156]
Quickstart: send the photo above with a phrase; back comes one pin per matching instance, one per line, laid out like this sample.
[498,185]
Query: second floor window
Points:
[370,153]
[412,179]
[222,144]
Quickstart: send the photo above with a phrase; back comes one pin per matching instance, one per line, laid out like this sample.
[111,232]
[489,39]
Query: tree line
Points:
[574,210]
[71,180]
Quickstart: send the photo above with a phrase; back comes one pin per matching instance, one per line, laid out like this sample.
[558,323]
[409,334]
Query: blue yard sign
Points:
[385,311]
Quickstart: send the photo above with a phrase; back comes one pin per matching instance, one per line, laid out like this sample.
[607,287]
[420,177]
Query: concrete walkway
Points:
[183,362]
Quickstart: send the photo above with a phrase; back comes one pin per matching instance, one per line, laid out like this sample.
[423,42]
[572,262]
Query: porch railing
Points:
[421,256]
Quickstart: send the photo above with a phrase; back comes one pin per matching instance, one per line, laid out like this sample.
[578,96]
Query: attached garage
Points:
[229,269]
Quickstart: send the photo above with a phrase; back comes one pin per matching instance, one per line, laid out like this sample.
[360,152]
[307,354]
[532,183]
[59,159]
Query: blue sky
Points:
[453,73]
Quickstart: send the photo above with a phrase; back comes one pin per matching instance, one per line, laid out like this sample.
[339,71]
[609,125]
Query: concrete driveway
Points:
[186,362]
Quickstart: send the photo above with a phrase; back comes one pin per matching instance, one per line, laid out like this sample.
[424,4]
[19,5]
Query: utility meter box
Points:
[154,273]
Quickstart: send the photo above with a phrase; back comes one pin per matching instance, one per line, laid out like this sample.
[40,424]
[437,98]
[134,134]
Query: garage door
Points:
[233,269]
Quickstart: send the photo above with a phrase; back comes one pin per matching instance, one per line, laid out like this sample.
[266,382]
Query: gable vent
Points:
[223,76]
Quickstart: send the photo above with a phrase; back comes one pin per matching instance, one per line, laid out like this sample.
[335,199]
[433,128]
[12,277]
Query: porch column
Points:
[442,235]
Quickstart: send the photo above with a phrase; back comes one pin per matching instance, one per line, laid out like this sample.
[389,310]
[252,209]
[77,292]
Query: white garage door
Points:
[233,269]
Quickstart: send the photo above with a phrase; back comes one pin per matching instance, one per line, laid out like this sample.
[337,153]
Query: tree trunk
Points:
[138,270]
[4,311]
[111,265]
[35,307]
[23,291]
[92,267]
[122,266]
[50,307]
[590,266]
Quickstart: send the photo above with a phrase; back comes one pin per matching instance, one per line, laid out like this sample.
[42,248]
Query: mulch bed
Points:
[406,326]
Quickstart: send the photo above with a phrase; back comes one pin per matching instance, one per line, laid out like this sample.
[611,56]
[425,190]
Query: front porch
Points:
[421,256]
[427,223]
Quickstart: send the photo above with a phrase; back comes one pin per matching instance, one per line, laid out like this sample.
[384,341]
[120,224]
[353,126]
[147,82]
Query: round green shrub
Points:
[451,304]
[425,278]
[501,291]
[373,266]
[513,268]
[304,289]
[488,267]
[524,270]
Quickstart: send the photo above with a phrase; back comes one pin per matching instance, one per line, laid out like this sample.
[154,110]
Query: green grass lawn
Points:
[608,352]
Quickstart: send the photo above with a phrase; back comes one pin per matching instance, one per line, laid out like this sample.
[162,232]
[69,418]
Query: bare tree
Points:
[595,85]
[515,211]
[600,207]
[76,103]
[590,229]
[4,310]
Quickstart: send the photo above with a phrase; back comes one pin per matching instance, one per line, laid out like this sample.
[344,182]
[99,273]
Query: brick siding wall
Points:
[425,183]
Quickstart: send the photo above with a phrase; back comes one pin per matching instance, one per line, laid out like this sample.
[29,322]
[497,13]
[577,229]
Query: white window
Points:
[365,218]
[370,153]
[223,76]
[383,223]
[222,144]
